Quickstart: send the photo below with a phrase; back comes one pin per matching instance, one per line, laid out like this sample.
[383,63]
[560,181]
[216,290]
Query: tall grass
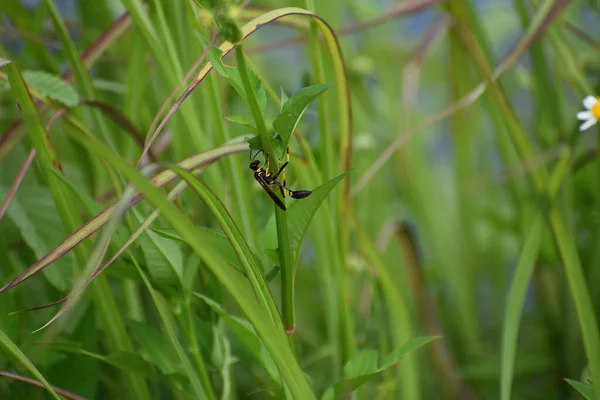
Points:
[448,248]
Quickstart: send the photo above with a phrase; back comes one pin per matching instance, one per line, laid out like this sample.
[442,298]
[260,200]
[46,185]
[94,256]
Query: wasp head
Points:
[254,165]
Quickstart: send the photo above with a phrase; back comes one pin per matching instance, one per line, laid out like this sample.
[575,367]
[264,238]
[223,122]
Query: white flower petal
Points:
[589,101]
[587,124]
[584,115]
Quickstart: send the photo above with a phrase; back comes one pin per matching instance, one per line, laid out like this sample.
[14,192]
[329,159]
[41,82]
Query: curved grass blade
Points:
[95,258]
[520,282]
[342,87]
[408,371]
[585,390]
[93,225]
[272,335]
[201,384]
[14,349]
[244,253]
[246,333]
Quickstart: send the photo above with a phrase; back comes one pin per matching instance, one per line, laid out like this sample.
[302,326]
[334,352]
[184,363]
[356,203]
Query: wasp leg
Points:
[297,194]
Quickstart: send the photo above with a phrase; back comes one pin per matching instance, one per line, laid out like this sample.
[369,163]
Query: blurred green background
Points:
[470,211]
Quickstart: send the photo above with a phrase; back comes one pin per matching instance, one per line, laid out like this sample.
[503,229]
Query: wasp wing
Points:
[270,192]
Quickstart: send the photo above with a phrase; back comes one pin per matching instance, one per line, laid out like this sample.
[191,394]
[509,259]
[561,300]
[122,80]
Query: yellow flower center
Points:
[596,109]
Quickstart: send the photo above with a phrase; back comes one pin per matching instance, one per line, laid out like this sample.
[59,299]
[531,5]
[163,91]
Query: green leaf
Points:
[292,111]
[34,213]
[164,258]
[412,345]
[52,87]
[242,120]
[213,238]
[13,349]
[585,390]
[302,211]
[232,75]
[363,368]
[259,314]
[255,143]
[283,98]
[247,335]
[133,362]
[157,348]
[362,363]
[253,271]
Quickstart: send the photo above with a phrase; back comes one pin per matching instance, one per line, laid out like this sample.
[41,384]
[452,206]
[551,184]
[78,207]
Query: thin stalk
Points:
[317,59]
[563,238]
[195,349]
[215,102]
[346,332]
[285,255]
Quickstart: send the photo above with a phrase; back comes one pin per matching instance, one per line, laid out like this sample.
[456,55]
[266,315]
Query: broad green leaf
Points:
[233,75]
[302,211]
[124,360]
[259,314]
[364,362]
[292,111]
[363,368]
[247,335]
[585,390]
[255,143]
[412,345]
[97,222]
[156,347]
[197,377]
[34,213]
[252,270]
[133,362]
[212,237]
[79,373]
[164,259]
[52,87]
[248,122]
[90,204]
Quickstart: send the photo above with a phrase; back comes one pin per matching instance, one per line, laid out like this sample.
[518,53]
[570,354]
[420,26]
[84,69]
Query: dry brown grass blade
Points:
[177,190]
[39,384]
[17,182]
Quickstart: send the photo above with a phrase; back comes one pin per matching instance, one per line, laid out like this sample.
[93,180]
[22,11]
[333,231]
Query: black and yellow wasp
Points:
[266,180]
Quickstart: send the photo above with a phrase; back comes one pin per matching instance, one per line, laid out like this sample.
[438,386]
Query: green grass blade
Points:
[521,280]
[251,267]
[273,337]
[14,349]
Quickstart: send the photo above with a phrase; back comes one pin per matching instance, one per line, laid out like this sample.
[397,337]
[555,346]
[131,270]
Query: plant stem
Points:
[188,322]
[253,104]
[285,256]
